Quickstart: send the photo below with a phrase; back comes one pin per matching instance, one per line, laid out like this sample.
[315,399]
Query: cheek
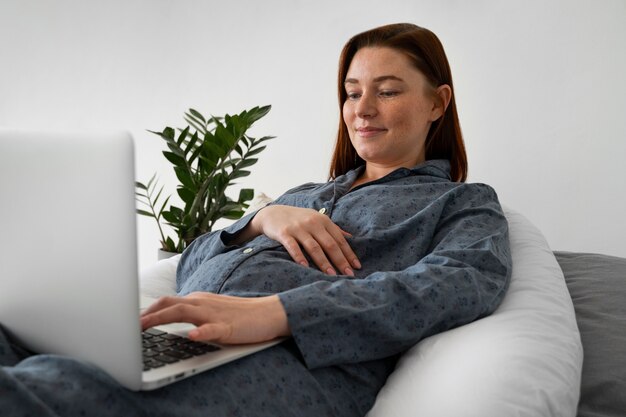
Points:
[347,114]
[415,120]
[348,119]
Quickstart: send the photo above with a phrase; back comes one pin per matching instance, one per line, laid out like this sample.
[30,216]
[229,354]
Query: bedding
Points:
[597,285]
[524,360]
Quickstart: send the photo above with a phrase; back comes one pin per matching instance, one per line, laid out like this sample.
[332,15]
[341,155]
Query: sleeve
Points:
[462,278]
[217,242]
[210,245]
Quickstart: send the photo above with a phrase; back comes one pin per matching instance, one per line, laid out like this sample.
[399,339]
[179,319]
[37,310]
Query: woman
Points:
[394,248]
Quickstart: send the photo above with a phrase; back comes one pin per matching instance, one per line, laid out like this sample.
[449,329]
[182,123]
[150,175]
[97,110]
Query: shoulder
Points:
[302,195]
[463,196]
[472,191]
[307,187]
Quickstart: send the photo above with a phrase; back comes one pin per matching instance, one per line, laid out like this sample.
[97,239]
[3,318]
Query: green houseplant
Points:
[207,156]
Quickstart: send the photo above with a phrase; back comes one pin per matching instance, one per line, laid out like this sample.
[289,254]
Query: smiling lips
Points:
[369,131]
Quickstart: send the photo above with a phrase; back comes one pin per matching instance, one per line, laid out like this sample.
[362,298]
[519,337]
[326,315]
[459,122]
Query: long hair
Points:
[425,51]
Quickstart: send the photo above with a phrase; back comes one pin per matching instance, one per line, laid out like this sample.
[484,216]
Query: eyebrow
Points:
[376,80]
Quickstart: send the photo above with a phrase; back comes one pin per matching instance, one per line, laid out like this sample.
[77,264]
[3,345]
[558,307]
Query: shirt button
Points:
[322,210]
[247,250]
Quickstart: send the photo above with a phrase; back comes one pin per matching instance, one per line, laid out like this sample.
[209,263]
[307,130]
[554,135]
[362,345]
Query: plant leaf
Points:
[177,160]
[182,136]
[168,134]
[247,163]
[192,143]
[245,194]
[239,174]
[195,154]
[264,138]
[196,124]
[224,138]
[170,217]
[233,215]
[255,151]
[163,206]
[185,179]
[186,195]
[257,113]
[197,114]
[169,245]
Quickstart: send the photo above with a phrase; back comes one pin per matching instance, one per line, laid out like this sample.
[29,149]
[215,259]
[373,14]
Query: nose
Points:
[366,106]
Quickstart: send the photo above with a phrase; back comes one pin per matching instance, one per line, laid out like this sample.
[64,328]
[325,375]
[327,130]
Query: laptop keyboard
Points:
[161,348]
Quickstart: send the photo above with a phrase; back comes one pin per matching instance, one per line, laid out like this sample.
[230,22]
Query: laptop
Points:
[68,260]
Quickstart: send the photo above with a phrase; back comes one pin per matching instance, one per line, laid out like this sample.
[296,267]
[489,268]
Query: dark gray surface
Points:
[597,284]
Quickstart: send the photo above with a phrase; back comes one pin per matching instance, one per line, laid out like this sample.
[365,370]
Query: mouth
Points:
[369,131]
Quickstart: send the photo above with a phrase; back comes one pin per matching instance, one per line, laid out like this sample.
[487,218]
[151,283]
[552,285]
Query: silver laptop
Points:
[68,260]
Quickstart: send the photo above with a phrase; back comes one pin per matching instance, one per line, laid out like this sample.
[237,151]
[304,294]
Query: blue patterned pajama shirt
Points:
[434,254]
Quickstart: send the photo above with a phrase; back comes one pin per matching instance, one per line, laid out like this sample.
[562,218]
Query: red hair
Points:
[425,51]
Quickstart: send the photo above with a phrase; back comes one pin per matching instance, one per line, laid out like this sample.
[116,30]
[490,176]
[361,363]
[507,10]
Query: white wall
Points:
[540,87]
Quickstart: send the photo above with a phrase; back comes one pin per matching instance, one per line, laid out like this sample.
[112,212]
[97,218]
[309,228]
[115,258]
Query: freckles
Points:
[347,113]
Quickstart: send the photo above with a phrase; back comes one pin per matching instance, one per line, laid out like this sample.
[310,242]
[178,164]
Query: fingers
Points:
[171,310]
[293,248]
[317,252]
[211,331]
[342,254]
[307,231]
[222,318]
[328,249]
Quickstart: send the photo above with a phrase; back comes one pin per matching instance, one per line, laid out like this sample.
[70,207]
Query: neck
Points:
[372,173]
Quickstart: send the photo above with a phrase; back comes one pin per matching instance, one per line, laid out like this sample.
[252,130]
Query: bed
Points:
[555,347]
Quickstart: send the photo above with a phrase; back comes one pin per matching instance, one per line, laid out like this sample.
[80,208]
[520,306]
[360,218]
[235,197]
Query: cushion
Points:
[523,360]
[597,284]
[159,279]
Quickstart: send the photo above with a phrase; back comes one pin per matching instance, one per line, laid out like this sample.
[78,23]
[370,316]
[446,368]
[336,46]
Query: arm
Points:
[228,319]
[221,318]
[296,228]
[462,278]
[301,228]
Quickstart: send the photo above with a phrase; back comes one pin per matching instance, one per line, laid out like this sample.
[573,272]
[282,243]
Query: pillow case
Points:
[523,360]
[597,284]
[159,279]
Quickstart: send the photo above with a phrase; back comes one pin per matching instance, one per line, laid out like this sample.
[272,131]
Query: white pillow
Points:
[159,279]
[523,360]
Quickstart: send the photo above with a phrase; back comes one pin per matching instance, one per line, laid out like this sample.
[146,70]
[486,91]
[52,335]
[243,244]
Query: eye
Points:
[353,95]
[388,93]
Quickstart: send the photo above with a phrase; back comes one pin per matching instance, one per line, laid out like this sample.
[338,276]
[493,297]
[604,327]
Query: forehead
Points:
[373,62]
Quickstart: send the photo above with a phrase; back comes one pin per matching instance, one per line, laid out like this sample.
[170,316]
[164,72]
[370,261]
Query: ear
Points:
[443,95]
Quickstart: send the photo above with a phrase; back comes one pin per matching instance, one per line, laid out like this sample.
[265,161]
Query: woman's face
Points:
[389,108]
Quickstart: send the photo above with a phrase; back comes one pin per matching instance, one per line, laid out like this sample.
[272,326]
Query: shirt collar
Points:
[438,168]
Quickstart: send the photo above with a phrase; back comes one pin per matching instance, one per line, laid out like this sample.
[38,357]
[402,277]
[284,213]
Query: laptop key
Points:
[154,332]
[165,358]
[178,354]
[152,364]
[173,337]
[161,348]
[148,353]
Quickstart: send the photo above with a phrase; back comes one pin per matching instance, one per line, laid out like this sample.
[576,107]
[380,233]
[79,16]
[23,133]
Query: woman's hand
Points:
[300,228]
[221,318]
